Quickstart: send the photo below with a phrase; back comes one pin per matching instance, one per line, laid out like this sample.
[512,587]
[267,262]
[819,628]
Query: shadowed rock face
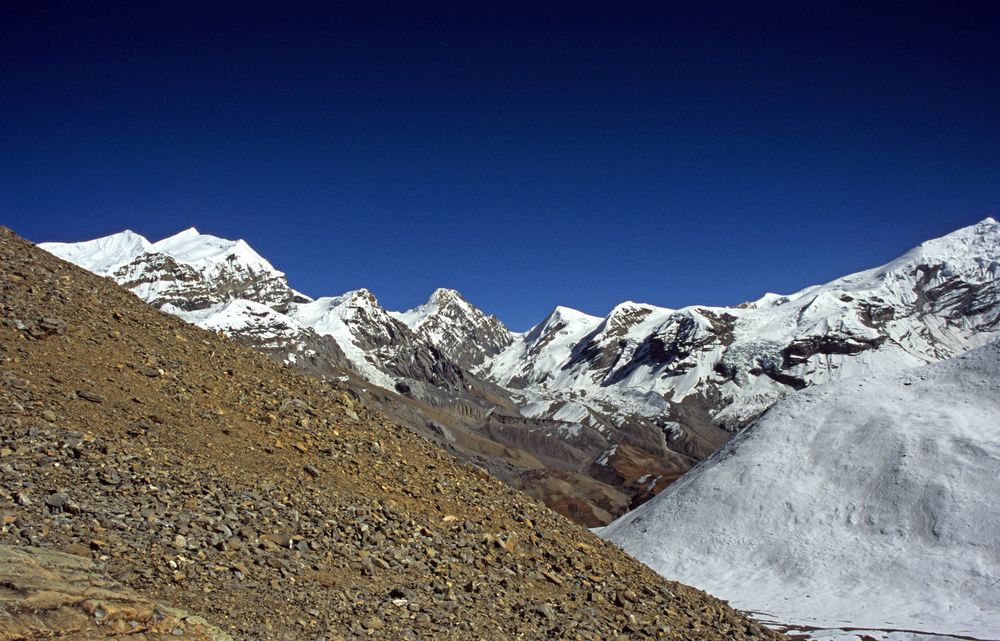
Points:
[191,289]
[46,594]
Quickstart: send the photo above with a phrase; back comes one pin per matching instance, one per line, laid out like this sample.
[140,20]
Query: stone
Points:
[57,500]
[90,396]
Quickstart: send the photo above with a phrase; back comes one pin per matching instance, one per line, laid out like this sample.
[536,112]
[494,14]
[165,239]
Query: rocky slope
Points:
[866,504]
[592,414]
[208,476]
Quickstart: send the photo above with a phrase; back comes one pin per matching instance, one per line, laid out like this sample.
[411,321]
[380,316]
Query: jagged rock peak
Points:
[362,296]
[457,327]
[444,294]
[440,300]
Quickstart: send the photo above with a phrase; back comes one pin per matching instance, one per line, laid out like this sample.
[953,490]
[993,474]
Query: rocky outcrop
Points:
[46,594]
[169,281]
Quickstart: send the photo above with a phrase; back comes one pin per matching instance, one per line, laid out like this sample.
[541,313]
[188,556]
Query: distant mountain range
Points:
[593,415]
[141,457]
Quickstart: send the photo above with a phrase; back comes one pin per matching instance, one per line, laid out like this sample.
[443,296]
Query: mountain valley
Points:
[592,415]
[201,474]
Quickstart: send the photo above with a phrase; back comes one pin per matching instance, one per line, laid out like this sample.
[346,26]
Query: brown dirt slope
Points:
[206,476]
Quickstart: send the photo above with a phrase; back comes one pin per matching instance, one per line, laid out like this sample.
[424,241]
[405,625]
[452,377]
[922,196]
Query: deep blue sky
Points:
[579,154]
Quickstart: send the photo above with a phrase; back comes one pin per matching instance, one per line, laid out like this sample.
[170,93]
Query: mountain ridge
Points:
[641,394]
[211,477]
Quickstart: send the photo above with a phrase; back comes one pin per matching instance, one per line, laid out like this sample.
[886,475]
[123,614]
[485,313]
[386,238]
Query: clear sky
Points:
[576,154]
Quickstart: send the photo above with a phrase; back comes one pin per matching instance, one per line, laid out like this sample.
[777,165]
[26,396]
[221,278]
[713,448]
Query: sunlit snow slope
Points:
[867,503]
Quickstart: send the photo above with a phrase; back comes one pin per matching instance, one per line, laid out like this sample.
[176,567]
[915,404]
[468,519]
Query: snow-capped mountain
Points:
[458,328]
[865,504]
[189,270]
[381,348]
[934,302]
[225,285]
[694,370]
[633,399]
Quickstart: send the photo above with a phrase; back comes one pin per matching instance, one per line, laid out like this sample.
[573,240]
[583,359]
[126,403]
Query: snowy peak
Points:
[441,301]
[561,328]
[458,328]
[563,319]
[361,299]
[443,295]
[180,237]
[536,358]
[985,232]
[206,251]
[625,316]
[101,255]
[188,270]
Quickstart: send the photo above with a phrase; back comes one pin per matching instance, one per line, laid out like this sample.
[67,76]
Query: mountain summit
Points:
[459,329]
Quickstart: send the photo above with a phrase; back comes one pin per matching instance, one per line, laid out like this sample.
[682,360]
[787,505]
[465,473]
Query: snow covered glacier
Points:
[868,503]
